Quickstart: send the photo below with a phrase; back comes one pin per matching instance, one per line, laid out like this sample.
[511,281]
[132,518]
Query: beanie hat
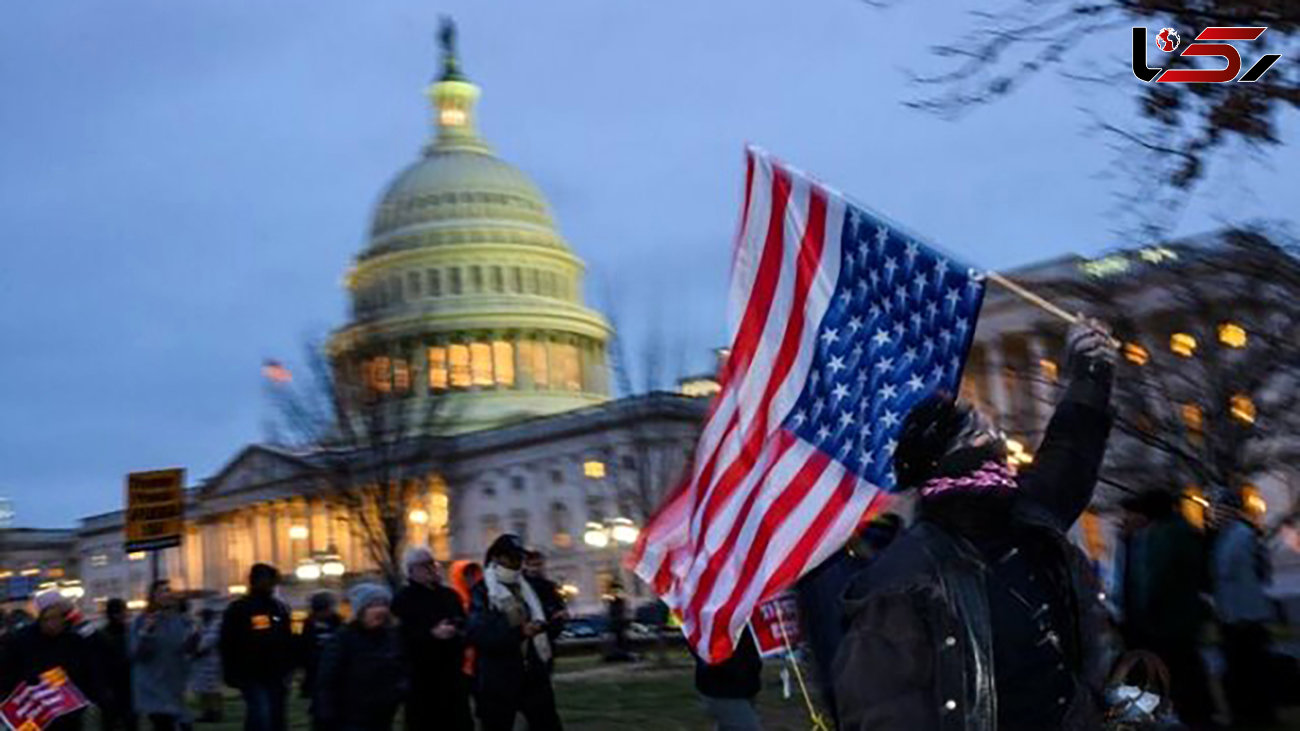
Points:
[507,544]
[363,596]
[49,599]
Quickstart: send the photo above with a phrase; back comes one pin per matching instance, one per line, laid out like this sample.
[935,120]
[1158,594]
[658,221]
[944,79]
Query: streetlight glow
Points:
[333,567]
[595,536]
[624,531]
[308,571]
[298,533]
[419,516]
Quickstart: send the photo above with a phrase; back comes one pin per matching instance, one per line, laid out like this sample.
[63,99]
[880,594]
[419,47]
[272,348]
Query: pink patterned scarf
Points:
[991,478]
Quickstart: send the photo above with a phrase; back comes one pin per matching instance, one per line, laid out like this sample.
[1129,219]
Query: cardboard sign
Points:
[772,617]
[34,707]
[155,509]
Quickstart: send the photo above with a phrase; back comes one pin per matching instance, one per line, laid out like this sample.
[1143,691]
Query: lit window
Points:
[1232,335]
[503,363]
[535,360]
[480,361]
[1049,368]
[54,573]
[437,368]
[381,374]
[1136,354]
[136,555]
[458,356]
[568,370]
[1182,344]
[451,117]
[594,469]
[1243,408]
[1193,417]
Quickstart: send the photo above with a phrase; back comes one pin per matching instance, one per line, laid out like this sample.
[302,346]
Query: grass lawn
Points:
[645,696]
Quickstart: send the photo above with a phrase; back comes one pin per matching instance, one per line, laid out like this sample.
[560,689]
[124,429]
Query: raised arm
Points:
[1064,473]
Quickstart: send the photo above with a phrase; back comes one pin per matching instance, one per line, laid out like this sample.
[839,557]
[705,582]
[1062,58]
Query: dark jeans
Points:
[1189,682]
[163,722]
[114,718]
[536,704]
[429,708]
[1246,682]
[264,706]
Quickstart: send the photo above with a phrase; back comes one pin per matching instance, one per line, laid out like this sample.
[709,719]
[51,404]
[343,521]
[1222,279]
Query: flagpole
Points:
[1040,302]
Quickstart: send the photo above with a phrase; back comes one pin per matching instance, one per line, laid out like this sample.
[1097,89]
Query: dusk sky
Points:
[183,185]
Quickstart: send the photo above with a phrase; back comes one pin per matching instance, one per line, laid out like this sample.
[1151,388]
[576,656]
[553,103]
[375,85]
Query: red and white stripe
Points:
[760,506]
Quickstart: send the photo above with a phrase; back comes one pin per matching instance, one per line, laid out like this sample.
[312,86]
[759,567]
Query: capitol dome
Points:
[466,289]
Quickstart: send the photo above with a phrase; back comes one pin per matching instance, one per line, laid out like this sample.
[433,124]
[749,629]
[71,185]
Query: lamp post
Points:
[615,533]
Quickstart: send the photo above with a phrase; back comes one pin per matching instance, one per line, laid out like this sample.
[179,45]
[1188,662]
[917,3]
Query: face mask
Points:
[508,576]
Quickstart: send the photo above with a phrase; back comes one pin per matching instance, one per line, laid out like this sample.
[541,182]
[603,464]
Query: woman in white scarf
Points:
[509,630]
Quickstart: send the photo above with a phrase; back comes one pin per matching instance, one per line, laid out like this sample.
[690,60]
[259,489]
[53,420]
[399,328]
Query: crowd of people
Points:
[440,652]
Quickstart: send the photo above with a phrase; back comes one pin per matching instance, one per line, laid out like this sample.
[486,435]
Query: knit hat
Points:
[363,596]
[508,544]
[49,599]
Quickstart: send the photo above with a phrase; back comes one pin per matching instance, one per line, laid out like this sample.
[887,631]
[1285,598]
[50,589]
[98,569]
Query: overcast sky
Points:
[182,185]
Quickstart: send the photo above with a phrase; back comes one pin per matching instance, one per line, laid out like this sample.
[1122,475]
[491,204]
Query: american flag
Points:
[840,323]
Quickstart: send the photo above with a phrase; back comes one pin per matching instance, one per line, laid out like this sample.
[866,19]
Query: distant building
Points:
[33,558]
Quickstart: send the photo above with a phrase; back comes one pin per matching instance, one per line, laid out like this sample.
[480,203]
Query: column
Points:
[997,391]
[265,534]
[1043,391]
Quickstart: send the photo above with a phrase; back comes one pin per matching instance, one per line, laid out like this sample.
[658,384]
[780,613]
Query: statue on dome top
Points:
[447,39]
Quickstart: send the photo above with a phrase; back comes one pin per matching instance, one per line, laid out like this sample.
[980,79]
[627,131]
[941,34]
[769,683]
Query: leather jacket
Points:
[918,655]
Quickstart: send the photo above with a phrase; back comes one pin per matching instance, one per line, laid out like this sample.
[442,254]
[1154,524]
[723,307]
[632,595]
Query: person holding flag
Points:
[983,615]
[48,671]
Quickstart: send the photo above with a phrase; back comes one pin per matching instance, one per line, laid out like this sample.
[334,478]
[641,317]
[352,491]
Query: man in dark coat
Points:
[821,590]
[363,676]
[1168,571]
[983,615]
[432,630]
[114,638]
[319,628]
[49,643]
[257,650]
[510,632]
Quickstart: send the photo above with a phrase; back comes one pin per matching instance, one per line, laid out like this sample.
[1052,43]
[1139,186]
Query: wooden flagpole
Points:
[1040,302]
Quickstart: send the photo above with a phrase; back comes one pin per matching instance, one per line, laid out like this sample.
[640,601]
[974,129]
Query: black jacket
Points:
[256,643]
[435,664]
[504,666]
[113,643]
[361,680]
[918,655]
[739,676]
[29,652]
[549,594]
[311,645]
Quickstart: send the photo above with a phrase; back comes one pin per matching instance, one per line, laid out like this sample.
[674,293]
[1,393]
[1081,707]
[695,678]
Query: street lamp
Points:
[332,566]
[308,570]
[596,536]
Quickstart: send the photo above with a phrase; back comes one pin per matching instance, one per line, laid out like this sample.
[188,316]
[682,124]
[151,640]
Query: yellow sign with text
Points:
[155,509]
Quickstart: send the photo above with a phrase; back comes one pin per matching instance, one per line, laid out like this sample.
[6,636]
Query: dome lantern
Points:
[453,98]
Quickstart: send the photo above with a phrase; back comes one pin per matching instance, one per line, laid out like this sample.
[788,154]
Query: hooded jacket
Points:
[919,651]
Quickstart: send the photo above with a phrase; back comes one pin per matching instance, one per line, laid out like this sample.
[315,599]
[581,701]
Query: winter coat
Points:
[435,664]
[505,663]
[739,676]
[256,641]
[918,653]
[1167,573]
[361,680]
[206,668]
[315,636]
[1240,576]
[160,663]
[29,652]
[114,647]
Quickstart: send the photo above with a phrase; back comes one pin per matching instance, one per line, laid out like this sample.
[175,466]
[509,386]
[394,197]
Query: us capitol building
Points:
[465,292]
